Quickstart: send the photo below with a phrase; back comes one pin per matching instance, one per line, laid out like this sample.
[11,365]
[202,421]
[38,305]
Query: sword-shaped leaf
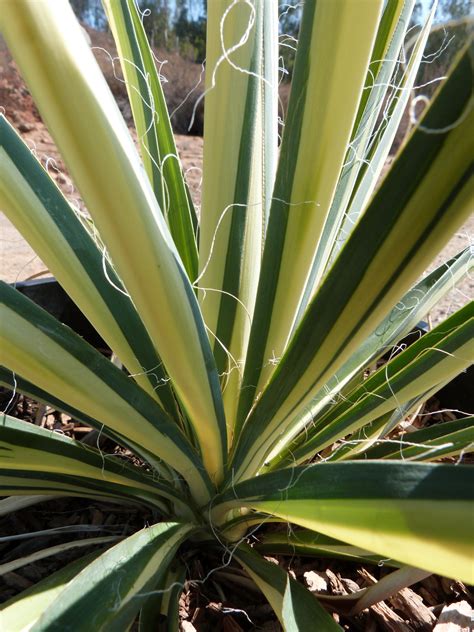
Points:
[326,87]
[383,69]
[15,564]
[25,447]
[21,612]
[440,440]
[383,140]
[86,124]
[15,503]
[163,606]
[308,543]
[434,359]
[16,383]
[419,514]
[53,357]
[32,201]
[240,150]
[150,114]
[296,608]
[423,199]
[112,589]
[402,320]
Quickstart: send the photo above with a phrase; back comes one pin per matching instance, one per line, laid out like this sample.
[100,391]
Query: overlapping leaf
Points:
[57,360]
[327,83]
[122,576]
[81,113]
[423,198]
[427,364]
[420,514]
[239,161]
[31,200]
[21,612]
[400,322]
[48,456]
[150,114]
[294,606]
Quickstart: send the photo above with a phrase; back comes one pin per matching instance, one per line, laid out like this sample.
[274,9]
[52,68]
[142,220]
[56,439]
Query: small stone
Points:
[316,581]
[456,617]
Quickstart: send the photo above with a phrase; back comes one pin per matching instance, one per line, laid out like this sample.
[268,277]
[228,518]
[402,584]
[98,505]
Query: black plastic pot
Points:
[459,393]
[48,294]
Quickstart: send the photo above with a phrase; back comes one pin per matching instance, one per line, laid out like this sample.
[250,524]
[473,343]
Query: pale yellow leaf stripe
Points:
[340,53]
[79,109]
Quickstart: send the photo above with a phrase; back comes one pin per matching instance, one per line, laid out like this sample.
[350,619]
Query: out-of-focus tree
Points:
[91,13]
[157,21]
[81,8]
[289,18]
[453,22]
[190,28]
[447,10]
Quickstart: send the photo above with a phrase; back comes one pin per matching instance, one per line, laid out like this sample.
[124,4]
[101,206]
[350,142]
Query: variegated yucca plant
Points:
[249,334]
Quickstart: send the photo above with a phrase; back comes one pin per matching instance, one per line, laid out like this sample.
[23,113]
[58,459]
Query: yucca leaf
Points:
[240,150]
[14,565]
[403,318]
[434,359]
[382,141]
[16,383]
[296,608]
[80,111]
[20,613]
[31,200]
[371,433]
[422,200]
[308,543]
[449,438]
[47,485]
[241,522]
[122,576]
[419,514]
[368,143]
[381,429]
[386,56]
[387,586]
[163,606]
[150,114]
[327,84]
[15,503]
[55,358]
[25,447]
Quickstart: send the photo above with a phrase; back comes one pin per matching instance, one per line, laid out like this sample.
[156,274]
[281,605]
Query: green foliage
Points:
[178,25]
[289,18]
[246,388]
[157,22]
[191,34]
